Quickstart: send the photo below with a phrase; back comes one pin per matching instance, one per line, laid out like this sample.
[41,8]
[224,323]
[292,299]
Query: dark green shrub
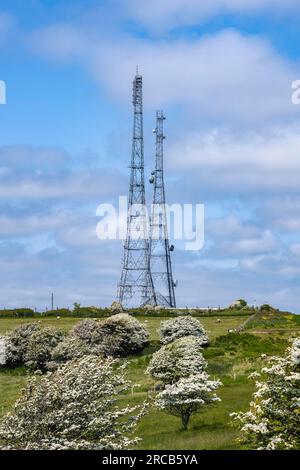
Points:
[60,312]
[17,313]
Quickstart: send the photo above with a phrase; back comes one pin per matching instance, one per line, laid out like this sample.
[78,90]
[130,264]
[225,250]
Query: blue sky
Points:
[222,71]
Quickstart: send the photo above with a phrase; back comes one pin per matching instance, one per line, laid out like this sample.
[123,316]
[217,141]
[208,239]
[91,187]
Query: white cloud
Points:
[159,16]
[265,243]
[49,173]
[7,24]
[252,83]
[266,160]
[235,238]
[75,186]
[19,226]
[295,249]
[37,158]
[282,213]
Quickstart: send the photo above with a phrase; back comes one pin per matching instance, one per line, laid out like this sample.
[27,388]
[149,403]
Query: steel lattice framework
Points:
[160,259]
[135,287]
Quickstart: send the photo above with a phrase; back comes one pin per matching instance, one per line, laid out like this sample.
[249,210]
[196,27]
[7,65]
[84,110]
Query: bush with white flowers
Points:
[182,326]
[17,343]
[273,421]
[3,348]
[121,335]
[85,329]
[116,336]
[176,360]
[70,348]
[75,407]
[295,352]
[188,396]
[40,346]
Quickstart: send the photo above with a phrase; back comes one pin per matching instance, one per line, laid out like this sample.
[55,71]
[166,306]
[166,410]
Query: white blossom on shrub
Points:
[74,407]
[3,351]
[121,335]
[295,351]
[178,359]
[116,307]
[40,346]
[180,327]
[17,343]
[70,348]
[187,396]
[85,329]
[118,335]
[273,420]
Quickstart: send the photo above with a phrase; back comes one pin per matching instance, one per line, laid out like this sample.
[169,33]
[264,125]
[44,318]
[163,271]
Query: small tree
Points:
[187,396]
[75,408]
[273,421]
[266,308]
[176,360]
[40,346]
[180,327]
[17,343]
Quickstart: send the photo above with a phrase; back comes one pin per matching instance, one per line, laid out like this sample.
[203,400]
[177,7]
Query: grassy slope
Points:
[210,323]
[11,383]
[230,358]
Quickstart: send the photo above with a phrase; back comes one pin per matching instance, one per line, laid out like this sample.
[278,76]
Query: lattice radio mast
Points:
[135,287]
[160,258]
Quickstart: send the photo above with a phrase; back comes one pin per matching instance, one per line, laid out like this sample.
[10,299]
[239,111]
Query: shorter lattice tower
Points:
[160,248]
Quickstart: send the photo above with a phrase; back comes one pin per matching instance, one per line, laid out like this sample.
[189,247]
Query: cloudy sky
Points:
[222,71]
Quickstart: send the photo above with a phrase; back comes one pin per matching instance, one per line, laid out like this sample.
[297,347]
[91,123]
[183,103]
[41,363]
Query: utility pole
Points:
[135,286]
[160,248]
[52,301]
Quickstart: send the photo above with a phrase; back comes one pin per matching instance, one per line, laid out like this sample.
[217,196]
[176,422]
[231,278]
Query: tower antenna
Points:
[160,248]
[135,286]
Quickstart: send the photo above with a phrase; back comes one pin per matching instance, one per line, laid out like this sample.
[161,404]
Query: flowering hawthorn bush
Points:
[121,335]
[187,396]
[85,329]
[116,307]
[118,335]
[180,327]
[176,360]
[273,421]
[40,346]
[70,348]
[3,351]
[17,343]
[74,407]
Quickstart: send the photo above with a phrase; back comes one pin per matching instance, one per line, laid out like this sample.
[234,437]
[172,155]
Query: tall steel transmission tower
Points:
[160,258]
[135,287]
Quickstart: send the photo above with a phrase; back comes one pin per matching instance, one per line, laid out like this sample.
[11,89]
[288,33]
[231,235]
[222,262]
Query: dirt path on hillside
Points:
[273,330]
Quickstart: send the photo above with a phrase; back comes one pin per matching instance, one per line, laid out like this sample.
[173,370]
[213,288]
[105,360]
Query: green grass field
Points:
[230,357]
[210,323]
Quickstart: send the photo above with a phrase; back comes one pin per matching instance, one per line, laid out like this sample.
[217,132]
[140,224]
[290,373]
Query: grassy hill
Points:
[273,319]
[231,357]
